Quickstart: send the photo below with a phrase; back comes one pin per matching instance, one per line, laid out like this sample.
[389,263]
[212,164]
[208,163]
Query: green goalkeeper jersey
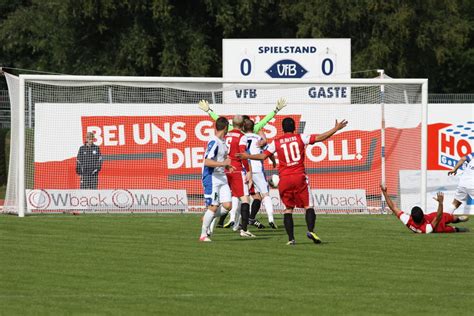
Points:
[257,126]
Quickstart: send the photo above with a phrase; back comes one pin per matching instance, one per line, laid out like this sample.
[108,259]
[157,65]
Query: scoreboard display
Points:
[260,59]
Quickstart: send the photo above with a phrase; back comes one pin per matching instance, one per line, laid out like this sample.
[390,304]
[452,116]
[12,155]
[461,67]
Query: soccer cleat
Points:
[291,243]
[313,237]
[229,224]
[257,224]
[273,225]
[205,238]
[463,218]
[244,233]
[219,226]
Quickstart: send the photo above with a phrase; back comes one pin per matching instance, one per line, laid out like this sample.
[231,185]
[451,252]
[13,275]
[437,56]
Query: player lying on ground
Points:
[418,222]
[466,183]
[294,187]
[204,105]
[214,179]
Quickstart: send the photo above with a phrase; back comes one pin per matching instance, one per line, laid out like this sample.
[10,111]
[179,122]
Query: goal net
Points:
[150,138]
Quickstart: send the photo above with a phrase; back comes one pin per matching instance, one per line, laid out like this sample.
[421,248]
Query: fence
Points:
[433,98]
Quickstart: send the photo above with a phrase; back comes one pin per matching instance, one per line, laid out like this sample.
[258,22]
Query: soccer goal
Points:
[151,138]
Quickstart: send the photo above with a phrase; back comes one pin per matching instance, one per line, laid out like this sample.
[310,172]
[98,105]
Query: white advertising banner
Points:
[260,59]
[106,200]
[450,134]
[325,200]
[437,181]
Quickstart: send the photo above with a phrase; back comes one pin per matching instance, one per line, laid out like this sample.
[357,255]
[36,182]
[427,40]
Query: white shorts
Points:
[216,189]
[462,193]
[260,182]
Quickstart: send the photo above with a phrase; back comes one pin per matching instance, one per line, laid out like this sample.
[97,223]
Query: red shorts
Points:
[295,191]
[443,226]
[237,184]
[252,190]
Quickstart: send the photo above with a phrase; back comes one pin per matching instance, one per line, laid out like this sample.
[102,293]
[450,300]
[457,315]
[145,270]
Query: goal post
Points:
[152,137]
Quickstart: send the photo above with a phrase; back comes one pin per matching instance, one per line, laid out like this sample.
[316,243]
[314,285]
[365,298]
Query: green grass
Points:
[144,264]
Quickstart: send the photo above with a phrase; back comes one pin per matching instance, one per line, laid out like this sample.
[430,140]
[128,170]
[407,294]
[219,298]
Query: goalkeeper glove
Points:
[204,105]
[281,103]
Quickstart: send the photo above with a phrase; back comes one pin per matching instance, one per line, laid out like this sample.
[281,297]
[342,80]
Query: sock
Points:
[237,219]
[288,221]
[206,222]
[310,218]
[221,212]
[255,208]
[245,213]
[233,210]
[451,209]
[267,202]
[222,219]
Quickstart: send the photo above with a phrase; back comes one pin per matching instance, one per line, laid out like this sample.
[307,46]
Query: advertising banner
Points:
[326,200]
[106,200]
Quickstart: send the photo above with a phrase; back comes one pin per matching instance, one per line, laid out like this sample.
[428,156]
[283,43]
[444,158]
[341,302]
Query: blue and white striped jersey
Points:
[216,150]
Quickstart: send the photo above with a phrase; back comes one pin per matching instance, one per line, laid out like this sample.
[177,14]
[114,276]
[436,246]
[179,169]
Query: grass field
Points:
[154,264]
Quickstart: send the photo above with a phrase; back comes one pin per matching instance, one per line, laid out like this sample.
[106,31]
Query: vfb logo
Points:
[286,68]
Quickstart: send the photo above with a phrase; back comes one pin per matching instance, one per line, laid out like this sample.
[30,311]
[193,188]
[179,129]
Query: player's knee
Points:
[227,205]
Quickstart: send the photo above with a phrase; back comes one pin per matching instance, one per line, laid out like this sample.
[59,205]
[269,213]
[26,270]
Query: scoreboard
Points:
[260,59]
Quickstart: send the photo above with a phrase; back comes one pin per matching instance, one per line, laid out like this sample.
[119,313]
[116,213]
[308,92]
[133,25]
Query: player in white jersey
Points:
[466,183]
[214,179]
[260,184]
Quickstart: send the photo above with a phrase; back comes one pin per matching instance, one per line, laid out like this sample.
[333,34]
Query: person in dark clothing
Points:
[89,163]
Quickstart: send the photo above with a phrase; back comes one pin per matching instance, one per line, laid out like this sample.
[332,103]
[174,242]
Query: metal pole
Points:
[382,138]
[30,108]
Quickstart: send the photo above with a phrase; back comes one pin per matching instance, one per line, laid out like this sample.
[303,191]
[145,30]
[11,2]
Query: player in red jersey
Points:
[294,187]
[418,222]
[241,177]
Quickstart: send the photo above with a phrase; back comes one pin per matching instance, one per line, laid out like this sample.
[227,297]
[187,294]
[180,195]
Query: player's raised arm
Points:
[204,105]
[322,137]
[396,211]
[243,156]
[268,152]
[439,213]
[281,103]
[457,166]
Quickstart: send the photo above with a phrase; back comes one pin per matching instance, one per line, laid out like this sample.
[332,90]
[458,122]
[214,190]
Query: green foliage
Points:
[428,39]
[145,264]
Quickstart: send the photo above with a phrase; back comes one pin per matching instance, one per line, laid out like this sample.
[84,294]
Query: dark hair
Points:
[417,214]
[248,125]
[221,123]
[288,125]
[246,117]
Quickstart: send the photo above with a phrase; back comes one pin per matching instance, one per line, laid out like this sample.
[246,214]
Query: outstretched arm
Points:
[457,166]
[204,105]
[439,214]
[281,103]
[322,137]
[253,157]
[396,211]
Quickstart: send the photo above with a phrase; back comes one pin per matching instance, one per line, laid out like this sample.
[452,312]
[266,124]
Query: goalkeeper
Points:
[204,105]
